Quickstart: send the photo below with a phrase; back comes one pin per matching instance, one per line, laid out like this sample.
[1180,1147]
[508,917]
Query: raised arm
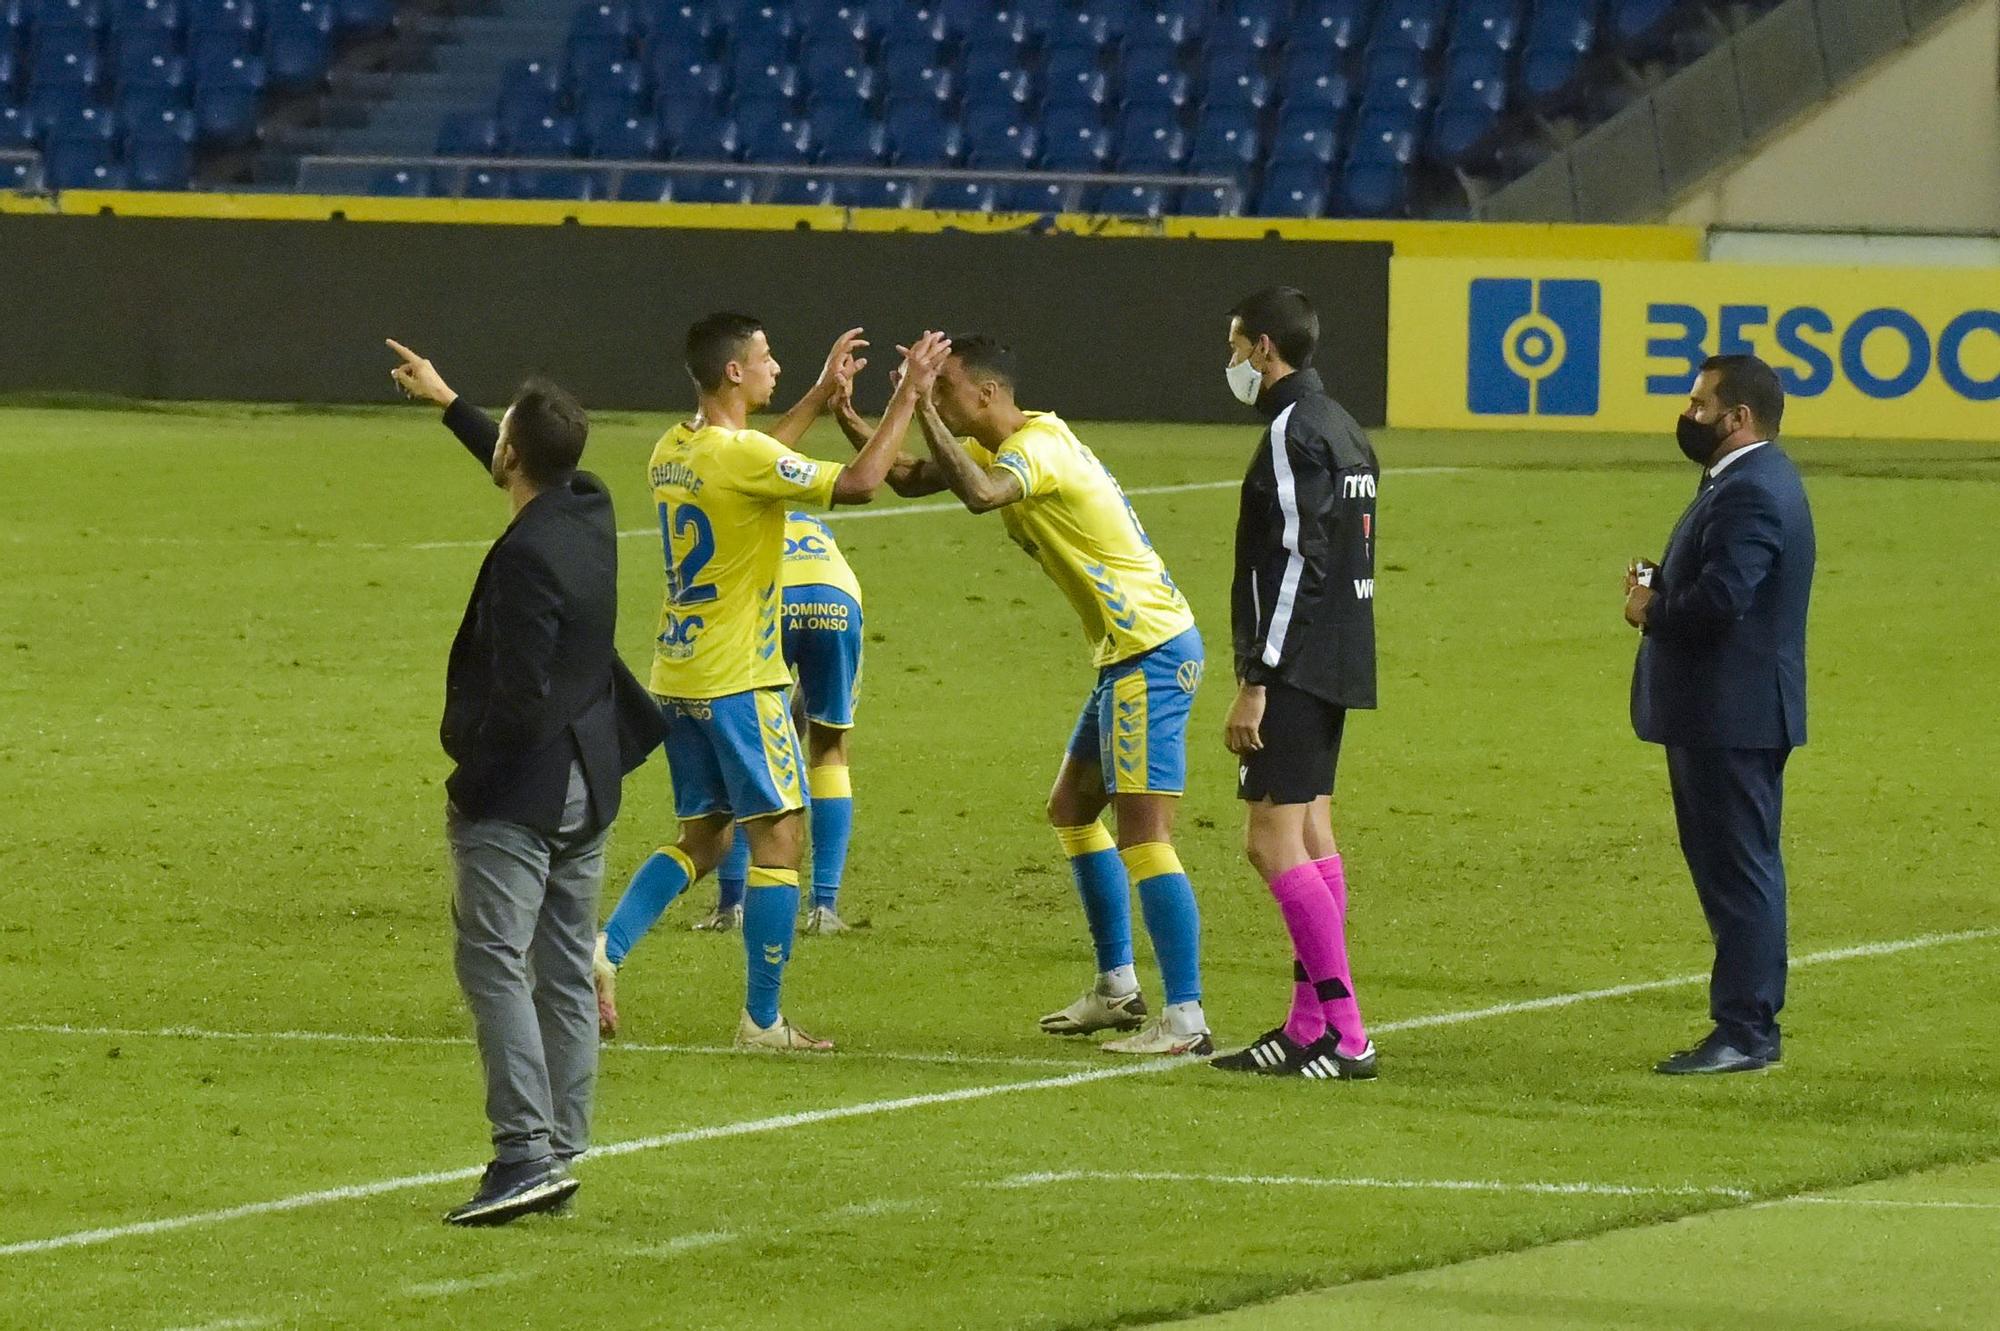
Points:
[981,489]
[865,475]
[420,382]
[912,478]
[841,363]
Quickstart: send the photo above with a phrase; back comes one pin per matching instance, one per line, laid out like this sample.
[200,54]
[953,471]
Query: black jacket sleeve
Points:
[479,432]
[1290,566]
[524,601]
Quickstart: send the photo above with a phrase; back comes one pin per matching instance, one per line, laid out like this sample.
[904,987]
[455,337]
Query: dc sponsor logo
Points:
[1188,676]
[1535,347]
[798,471]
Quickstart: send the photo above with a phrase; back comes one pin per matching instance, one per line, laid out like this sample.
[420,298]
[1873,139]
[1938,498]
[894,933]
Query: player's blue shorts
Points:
[737,754]
[1135,723]
[823,643]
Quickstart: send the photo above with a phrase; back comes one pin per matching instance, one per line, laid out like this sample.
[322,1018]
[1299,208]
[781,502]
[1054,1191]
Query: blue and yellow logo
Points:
[1534,347]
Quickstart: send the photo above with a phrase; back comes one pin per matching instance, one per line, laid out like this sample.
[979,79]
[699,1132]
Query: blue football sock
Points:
[664,876]
[1106,892]
[832,828]
[733,872]
[1172,920]
[770,910]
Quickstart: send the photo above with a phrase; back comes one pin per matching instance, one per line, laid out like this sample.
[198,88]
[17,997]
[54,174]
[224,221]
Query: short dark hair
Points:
[715,341]
[547,429]
[985,355]
[1284,315]
[1745,381]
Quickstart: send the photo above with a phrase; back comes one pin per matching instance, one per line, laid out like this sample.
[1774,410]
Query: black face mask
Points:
[1698,441]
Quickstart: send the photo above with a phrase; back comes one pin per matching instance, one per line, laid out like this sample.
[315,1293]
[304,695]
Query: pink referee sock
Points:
[1314,924]
[1343,1013]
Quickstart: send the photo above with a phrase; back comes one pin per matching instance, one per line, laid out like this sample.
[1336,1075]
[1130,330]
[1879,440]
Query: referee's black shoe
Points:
[1276,1054]
[510,1190]
[1717,1054]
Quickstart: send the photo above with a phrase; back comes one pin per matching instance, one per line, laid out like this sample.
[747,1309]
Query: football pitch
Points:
[241,1091]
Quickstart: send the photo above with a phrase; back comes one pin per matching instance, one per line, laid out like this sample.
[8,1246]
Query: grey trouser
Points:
[525,910]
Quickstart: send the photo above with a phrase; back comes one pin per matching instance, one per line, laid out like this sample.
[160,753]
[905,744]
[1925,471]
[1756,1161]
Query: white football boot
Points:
[779,1037]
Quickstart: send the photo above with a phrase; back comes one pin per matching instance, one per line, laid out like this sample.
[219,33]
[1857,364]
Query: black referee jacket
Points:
[1302,610]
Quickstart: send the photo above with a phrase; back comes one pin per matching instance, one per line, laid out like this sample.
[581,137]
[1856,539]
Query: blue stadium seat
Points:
[1155,150]
[1227,135]
[1394,59]
[1036,196]
[684,22]
[1246,92]
[832,61]
[1489,23]
[1329,91]
[1374,187]
[1303,141]
[1560,38]
[899,21]
[129,16]
[1463,130]
[50,102]
[674,47]
[926,142]
[530,89]
[623,80]
[1128,201]
[1463,64]
[907,58]
[94,123]
[468,134]
[748,51]
[802,191]
[877,192]
[13,78]
[685,116]
[1413,91]
[1008,148]
[226,97]
[938,86]
[1340,25]
[1413,23]
[1387,132]
[1157,89]
[360,17]
[550,136]
[1078,88]
[991,28]
[221,21]
[629,138]
[1293,191]
[767,80]
[1480,88]
[589,52]
[17,128]
[1074,143]
[606,18]
[61,66]
[1209,201]
[475,183]
[1175,21]
[1642,29]
[1255,31]
[400,184]
[707,188]
[23,175]
[763,23]
[1222,63]
[84,14]
[645,187]
[826,25]
[786,142]
[683,80]
[1066,64]
[996,75]
[79,166]
[161,160]
[1142,59]
[847,137]
[962,196]
[552,183]
[167,72]
[139,43]
[298,44]
[1274,11]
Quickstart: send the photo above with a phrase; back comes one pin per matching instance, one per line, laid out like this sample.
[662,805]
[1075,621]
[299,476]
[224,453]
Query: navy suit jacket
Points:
[1722,663]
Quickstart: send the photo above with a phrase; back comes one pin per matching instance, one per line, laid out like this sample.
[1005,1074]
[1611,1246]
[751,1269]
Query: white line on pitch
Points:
[1889,1203]
[230,1324]
[445,1289]
[807,1118]
[459,1041]
[1384,1184]
[682,1243]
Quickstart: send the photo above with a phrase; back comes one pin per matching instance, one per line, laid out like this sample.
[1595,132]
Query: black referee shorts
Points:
[1301,737]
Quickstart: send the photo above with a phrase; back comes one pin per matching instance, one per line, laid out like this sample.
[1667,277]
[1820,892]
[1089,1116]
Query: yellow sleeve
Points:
[762,467]
[1026,456]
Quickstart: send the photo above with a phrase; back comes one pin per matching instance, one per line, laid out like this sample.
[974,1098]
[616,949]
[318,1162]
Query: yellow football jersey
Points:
[1077,524]
[722,497]
[813,558]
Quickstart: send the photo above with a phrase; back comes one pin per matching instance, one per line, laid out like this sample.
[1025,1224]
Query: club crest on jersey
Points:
[798,471]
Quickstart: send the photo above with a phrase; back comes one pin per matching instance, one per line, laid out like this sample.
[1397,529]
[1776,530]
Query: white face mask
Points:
[1245,381]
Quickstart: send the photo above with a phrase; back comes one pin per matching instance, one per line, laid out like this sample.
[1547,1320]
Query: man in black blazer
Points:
[543,721]
[1721,682]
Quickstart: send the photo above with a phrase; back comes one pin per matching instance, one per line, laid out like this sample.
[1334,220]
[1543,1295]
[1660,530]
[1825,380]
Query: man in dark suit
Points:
[1721,682]
[543,721]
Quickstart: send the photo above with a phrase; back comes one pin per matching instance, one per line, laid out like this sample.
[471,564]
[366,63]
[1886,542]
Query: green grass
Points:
[223,664]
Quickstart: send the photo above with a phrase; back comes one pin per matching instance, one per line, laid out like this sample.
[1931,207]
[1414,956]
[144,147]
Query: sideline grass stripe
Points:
[806,1118]
[1042,1180]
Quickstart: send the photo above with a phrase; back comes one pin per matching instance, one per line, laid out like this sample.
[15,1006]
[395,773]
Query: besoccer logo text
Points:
[1534,347]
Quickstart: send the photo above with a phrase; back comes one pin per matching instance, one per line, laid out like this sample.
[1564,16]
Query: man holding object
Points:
[544,721]
[1721,682]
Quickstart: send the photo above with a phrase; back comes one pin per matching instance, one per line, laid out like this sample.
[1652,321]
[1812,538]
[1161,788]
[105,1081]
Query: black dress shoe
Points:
[1716,1054]
[509,1190]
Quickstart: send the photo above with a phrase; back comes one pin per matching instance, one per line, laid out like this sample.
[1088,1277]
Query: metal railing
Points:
[447,177]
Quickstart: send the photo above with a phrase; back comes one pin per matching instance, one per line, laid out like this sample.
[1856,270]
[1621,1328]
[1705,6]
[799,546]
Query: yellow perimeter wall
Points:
[1864,352]
[1462,239]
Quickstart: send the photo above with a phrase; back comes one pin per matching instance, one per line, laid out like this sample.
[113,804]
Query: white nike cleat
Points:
[720,921]
[1158,1038]
[1098,1012]
[604,976]
[822,920]
[779,1037]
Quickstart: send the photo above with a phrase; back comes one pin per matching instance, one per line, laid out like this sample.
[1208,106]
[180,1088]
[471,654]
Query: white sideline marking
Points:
[460,1041]
[444,1289]
[1388,1184]
[1680,981]
[1889,1202]
[781,1122]
[681,1243]
[230,1324]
